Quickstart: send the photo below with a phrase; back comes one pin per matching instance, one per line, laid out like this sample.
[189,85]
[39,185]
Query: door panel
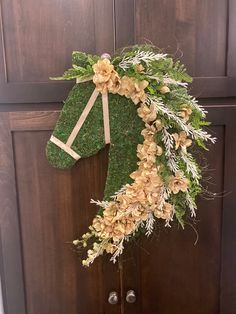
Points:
[28,44]
[37,42]
[53,209]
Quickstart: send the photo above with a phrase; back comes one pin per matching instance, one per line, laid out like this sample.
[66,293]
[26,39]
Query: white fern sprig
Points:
[202,134]
[168,141]
[166,80]
[160,106]
[149,224]
[120,191]
[120,246]
[172,164]
[167,224]
[191,204]
[191,167]
[197,106]
[118,251]
[164,196]
[188,128]
[169,81]
[145,56]
[166,192]
[190,100]
[103,204]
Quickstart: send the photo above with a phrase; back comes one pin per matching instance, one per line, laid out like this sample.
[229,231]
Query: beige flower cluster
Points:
[134,89]
[181,140]
[131,207]
[185,112]
[107,79]
[178,183]
[135,203]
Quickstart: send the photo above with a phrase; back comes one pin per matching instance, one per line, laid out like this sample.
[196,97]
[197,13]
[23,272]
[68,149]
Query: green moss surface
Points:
[125,128]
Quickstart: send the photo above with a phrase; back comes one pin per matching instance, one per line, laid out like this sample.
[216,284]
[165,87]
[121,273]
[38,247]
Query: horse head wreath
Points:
[138,102]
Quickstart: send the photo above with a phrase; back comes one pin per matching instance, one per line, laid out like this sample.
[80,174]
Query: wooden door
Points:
[44,208]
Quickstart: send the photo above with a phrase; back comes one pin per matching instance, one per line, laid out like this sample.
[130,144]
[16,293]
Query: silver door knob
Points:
[113,297]
[130,296]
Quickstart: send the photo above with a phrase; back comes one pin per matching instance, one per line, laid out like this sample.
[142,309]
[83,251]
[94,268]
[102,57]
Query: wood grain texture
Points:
[213,87]
[10,241]
[33,120]
[36,42]
[124,23]
[32,41]
[200,33]
[228,274]
[198,28]
[231,66]
[54,209]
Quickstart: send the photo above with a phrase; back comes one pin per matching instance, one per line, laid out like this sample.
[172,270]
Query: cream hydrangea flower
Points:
[105,77]
[110,248]
[139,94]
[181,140]
[165,213]
[164,89]
[185,112]
[114,83]
[127,87]
[158,125]
[147,113]
[178,183]
[102,69]
[134,89]
[139,67]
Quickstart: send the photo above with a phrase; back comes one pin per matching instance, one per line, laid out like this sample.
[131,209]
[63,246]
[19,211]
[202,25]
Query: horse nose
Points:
[58,157]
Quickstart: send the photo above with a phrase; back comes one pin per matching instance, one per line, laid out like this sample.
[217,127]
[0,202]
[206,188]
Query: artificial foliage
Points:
[154,127]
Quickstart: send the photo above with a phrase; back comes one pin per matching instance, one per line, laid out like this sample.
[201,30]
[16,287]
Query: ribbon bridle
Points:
[67,146]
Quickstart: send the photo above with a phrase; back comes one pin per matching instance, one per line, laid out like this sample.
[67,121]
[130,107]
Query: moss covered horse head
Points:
[151,173]
[125,134]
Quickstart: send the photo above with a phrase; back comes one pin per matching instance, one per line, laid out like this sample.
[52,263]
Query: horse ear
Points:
[62,151]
